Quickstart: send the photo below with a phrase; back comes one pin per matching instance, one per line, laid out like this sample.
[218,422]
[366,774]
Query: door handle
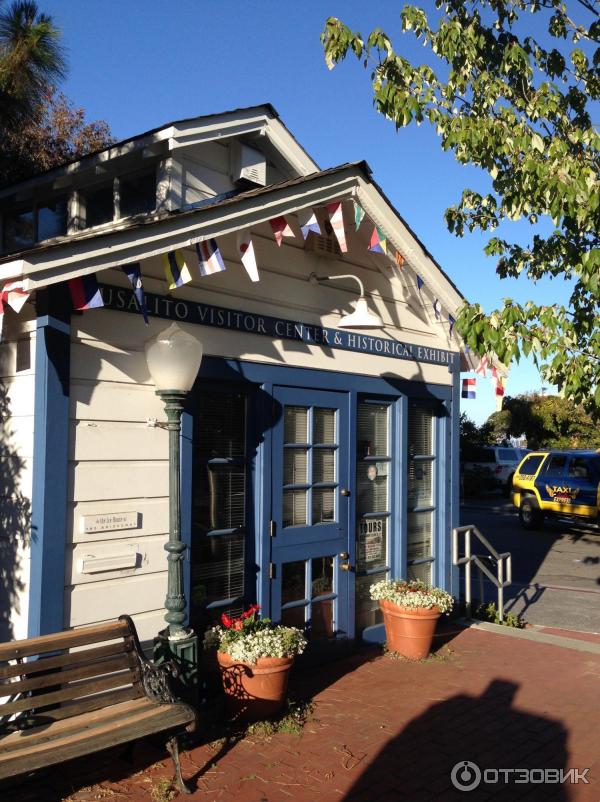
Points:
[344,491]
[346,567]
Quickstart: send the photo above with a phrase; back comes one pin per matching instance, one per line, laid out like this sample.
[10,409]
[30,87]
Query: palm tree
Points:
[31,59]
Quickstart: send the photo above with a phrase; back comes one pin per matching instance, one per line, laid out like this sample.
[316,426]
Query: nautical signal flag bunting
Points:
[468,388]
[378,243]
[85,292]
[15,296]
[247,255]
[134,275]
[176,270]
[209,258]
[280,229]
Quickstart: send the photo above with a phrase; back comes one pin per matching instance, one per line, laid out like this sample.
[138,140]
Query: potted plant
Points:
[255,657]
[410,613]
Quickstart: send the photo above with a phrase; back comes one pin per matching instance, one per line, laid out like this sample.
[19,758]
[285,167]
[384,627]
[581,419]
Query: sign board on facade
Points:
[277,328]
[108,522]
[371,533]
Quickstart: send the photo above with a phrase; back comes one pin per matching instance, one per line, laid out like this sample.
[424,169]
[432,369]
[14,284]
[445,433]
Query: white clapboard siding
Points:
[98,601]
[211,154]
[99,481]
[21,394]
[112,401]
[16,436]
[117,440]
[153,518]
[200,182]
[147,553]
[148,625]
[89,358]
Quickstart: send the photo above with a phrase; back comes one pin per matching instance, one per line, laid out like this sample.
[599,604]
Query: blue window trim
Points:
[397,392]
[50,484]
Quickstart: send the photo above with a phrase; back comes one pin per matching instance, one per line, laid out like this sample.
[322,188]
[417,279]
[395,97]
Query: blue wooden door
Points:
[310,573]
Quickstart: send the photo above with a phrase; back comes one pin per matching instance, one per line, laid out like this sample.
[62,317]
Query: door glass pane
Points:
[422,572]
[293,581]
[295,428]
[420,432]
[419,535]
[294,507]
[324,426]
[367,611]
[323,465]
[322,576]
[295,466]
[220,496]
[323,505]
[219,492]
[294,616]
[372,487]
[371,544]
[218,570]
[222,423]
[372,430]
[321,619]
[419,483]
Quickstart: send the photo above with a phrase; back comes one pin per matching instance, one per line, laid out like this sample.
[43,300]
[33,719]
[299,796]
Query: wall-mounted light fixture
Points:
[362,317]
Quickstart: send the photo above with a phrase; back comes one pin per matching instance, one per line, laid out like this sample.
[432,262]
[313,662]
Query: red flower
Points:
[238,624]
[226,621]
[254,608]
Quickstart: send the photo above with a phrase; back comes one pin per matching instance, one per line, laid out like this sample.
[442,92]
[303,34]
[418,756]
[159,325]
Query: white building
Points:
[316,459]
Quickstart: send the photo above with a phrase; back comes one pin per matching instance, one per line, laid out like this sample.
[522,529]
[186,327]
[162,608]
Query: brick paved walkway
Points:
[386,730]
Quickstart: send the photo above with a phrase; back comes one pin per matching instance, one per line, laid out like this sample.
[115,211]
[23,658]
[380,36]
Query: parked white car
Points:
[501,463]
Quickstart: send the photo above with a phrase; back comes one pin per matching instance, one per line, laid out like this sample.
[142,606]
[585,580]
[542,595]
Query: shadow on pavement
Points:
[485,730]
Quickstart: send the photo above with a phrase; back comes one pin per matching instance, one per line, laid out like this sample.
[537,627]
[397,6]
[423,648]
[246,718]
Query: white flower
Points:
[412,593]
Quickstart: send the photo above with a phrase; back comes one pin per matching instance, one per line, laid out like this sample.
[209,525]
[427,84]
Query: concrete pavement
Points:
[556,571]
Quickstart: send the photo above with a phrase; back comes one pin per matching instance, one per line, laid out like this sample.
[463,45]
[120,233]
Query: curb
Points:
[532,635]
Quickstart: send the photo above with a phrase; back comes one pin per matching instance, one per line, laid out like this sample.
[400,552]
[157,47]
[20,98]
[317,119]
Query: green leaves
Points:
[521,111]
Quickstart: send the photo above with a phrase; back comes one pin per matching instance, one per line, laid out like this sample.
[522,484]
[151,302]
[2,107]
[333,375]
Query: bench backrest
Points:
[68,673]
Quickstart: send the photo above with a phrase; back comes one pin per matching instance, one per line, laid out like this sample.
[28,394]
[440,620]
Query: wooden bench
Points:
[88,689]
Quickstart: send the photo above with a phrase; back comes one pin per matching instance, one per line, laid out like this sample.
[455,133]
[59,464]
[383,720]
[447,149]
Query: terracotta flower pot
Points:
[254,691]
[409,630]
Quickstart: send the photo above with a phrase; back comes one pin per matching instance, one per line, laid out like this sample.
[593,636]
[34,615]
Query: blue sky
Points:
[141,63]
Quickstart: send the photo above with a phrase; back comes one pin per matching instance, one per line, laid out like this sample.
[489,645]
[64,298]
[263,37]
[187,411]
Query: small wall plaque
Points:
[108,522]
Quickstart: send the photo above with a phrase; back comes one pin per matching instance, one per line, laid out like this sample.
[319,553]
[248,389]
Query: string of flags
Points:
[498,379]
[179,270]
[14,295]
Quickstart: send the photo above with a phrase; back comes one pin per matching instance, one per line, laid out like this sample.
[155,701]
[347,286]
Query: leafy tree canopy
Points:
[57,132]
[547,421]
[518,106]
[39,128]
[31,59]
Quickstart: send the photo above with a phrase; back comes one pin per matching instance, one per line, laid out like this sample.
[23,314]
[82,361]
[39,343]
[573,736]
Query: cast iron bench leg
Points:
[173,749]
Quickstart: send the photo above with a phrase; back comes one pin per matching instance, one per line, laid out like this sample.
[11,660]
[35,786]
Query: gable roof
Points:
[149,235]
[261,119]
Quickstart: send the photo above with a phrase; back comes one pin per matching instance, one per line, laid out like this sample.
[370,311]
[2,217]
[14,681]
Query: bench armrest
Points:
[156,678]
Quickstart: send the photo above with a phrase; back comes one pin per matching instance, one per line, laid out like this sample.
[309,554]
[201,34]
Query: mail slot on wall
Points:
[93,564]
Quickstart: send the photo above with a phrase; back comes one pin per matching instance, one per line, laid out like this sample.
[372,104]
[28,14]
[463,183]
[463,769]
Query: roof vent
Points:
[323,245]
[248,166]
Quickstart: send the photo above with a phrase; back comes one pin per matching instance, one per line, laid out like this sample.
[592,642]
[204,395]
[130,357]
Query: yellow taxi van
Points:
[549,482]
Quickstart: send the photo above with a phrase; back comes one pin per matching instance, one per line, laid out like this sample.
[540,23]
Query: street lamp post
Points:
[174,358]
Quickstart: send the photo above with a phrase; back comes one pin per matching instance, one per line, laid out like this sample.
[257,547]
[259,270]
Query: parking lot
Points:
[556,570]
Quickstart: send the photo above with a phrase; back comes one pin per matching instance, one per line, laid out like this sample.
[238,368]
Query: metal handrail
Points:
[501,580]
